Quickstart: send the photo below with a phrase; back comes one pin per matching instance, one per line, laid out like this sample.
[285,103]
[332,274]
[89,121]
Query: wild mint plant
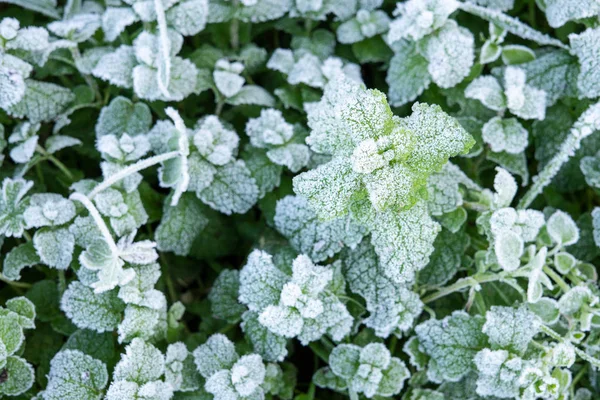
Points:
[299,199]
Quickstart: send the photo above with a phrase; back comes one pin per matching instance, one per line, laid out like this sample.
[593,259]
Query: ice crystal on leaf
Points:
[75,375]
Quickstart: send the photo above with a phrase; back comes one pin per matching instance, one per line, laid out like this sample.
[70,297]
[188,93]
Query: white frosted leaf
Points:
[505,187]
[182,82]
[451,343]
[270,129]
[188,17]
[77,28]
[141,323]
[320,240]
[216,143]
[45,7]
[228,83]
[218,353]
[266,173]
[559,12]
[281,60]
[349,32]
[554,72]
[141,363]
[392,308]
[12,87]
[418,18]
[443,189]
[499,373]
[487,89]
[307,70]
[29,39]
[42,101]
[58,142]
[117,67]
[115,20]
[97,311]
[501,5]
[140,290]
[595,222]
[268,345]
[450,53]
[263,10]
[585,46]
[224,294]
[509,248]
[407,75]
[12,206]
[446,259]
[510,328]
[25,309]
[562,229]
[11,333]
[404,241]
[233,190]
[17,258]
[75,376]
[123,116]
[20,376]
[260,281]
[505,135]
[180,370]
[252,95]
[23,152]
[55,247]
[294,156]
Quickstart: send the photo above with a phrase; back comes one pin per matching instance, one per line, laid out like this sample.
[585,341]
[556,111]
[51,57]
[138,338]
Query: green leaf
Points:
[75,376]
[19,374]
[19,257]
[224,297]
[407,75]
[97,345]
[122,116]
[42,102]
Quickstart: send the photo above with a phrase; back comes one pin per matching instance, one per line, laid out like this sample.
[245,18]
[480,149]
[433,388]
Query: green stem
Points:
[579,375]
[62,281]
[461,284]
[21,285]
[88,79]
[582,354]
[556,278]
[57,163]
[234,30]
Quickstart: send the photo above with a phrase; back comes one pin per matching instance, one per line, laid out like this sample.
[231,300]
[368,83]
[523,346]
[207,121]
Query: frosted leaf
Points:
[124,149]
[404,241]
[510,328]
[407,75]
[117,67]
[393,378]
[451,343]
[563,355]
[42,101]
[19,257]
[141,252]
[595,223]
[511,25]
[505,135]
[174,172]
[320,240]
[252,95]
[89,59]
[450,53]
[294,156]
[140,290]
[182,82]
[58,142]
[443,190]
[224,296]
[97,311]
[420,18]
[233,190]
[329,187]
[505,187]
[141,363]
[228,83]
[23,152]
[487,89]
[12,206]
[499,373]
[562,229]
[180,370]
[392,308]
[263,10]
[215,142]
[307,70]
[115,20]
[344,360]
[509,248]
[281,60]
[142,322]
[55,247]
[19,376]
[77,28]
[29,39]
[282,321]
[119,390]
[48,209]
[577,303]
[74,375]
[25,309]
[180,225]
[554,72]
[523,100]
[85,231]
[325,378]
[501,5]
[99,256]
[122,116]
[559,13]
[110,202]
[218,353]
[585,47]
[335,321]
[188,17]
[12,87]
[590,166]
[261,281]
[11,334]
[268,345]
[270,129]
[446,259]
[366,24]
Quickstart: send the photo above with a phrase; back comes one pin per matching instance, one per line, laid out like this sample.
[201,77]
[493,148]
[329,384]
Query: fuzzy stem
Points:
[87,203]
[461,284]
[556,278]
[124,173]
[21,285]
[164,67]
[587,123]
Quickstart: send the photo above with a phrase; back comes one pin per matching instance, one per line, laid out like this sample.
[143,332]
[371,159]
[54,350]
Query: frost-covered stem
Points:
[88,79]
[55,161]
[27,236]
[353,395]
[582,354]
[461,284]
[21,285]
[125,172]
[318,349]
[87,203]
[583,127]
[556,278]
[62,281]
[164,48]
[234,30]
